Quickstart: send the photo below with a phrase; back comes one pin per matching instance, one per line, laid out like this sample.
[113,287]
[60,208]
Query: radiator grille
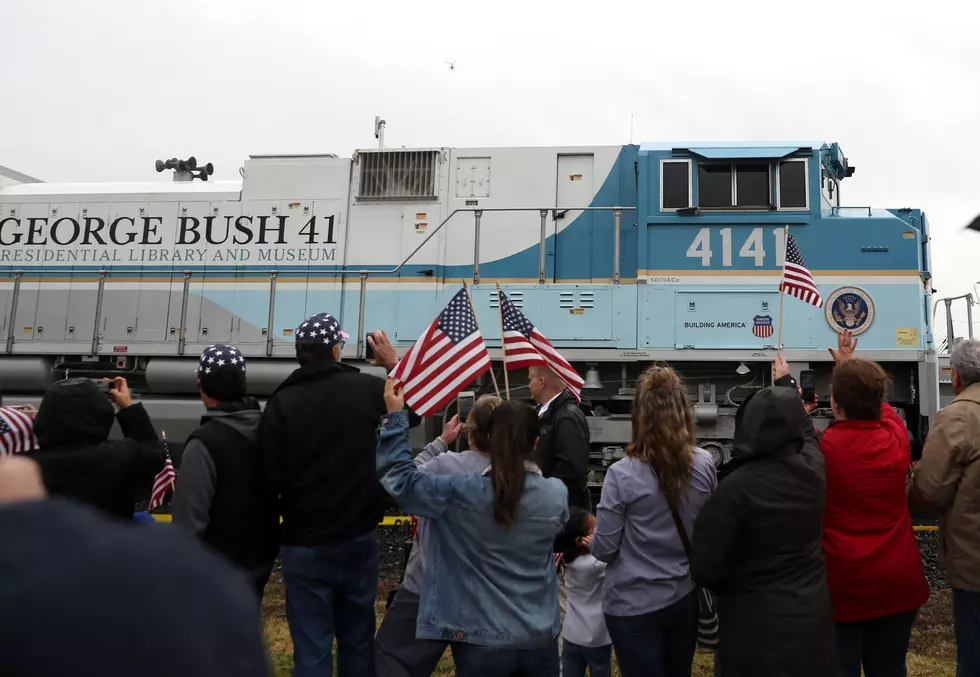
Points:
[398,175]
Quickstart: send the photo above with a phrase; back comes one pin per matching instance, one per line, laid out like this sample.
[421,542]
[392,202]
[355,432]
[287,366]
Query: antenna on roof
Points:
[631,129]
[379,131]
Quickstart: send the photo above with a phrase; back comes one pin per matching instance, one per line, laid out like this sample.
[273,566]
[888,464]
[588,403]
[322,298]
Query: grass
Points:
[932,652]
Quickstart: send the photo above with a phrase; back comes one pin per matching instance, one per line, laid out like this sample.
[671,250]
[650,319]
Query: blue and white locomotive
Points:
[621,256]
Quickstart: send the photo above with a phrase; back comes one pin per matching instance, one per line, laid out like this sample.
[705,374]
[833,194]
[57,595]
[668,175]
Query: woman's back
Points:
[503,587]
[757,545]
[635,532]
[874,568]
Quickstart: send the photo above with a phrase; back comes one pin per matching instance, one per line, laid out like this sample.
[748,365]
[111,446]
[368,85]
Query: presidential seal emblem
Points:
[850,309]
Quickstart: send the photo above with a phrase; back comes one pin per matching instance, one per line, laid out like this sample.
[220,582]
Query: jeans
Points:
[878,645]
[481,661]
[330,591]
[657,644]
[397,652]
[966,621]
[575,658]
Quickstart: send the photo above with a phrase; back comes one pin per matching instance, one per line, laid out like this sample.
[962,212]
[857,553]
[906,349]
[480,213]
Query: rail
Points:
[836,211]
[363,274]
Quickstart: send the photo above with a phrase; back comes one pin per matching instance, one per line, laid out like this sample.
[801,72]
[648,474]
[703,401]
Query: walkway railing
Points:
[363,274]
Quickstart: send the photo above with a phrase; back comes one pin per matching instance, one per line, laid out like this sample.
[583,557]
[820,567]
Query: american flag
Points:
[797,280]
[164,481]
[16,432]
[527,347]
[447,357]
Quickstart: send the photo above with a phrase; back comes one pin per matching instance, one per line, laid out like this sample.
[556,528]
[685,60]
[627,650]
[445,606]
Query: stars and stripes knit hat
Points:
[322,329]
[221,372]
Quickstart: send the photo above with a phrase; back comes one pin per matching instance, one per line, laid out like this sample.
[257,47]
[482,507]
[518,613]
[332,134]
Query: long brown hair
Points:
[663,430]
[513,433]
[478,422]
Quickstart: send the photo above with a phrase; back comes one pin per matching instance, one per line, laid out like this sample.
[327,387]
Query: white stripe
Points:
[404,367]
[448,355]
[457,382]
[463,351]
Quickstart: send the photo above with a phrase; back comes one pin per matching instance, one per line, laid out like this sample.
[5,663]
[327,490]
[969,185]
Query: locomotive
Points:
[622,256]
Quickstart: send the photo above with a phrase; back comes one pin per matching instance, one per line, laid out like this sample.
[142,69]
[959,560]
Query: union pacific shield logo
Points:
[762,326]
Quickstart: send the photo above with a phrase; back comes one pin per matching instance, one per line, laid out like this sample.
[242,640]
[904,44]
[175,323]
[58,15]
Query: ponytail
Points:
[513,432]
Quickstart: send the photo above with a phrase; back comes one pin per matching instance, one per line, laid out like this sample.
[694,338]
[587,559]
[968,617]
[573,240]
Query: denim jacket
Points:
[484,584]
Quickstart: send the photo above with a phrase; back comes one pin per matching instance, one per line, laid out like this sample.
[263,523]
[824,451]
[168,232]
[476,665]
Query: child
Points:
[585,640]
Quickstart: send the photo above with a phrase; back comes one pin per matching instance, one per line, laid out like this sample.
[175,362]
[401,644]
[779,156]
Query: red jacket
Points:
[874,568]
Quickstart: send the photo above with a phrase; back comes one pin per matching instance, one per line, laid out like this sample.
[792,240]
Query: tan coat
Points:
[947,480]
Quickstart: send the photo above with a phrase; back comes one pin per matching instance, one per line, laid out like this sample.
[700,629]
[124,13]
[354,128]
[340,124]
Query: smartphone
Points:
[808,384]
[466,400]
[105,386]
[368,350]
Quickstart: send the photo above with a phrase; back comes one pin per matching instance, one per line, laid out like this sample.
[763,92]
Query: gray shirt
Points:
[584,623]
[197,482]
[436,460]
[635,533]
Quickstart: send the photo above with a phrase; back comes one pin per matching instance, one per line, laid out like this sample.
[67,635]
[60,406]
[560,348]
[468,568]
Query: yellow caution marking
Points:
[403,520]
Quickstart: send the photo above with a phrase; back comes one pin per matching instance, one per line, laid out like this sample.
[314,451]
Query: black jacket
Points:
[563,448]
[757,544]
[318,442]
[77,458]
[219,497]
[80,594]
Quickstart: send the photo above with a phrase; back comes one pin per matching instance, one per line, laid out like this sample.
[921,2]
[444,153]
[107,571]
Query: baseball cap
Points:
[321,329]
[221,372]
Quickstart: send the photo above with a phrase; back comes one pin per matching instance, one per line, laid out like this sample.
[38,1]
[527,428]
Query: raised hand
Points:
[384,351]
[451,431]
[780,368]
[394,397]
[846,345]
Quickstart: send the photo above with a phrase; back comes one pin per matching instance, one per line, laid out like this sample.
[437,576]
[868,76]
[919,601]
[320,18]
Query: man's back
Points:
[318,441]
[563,450]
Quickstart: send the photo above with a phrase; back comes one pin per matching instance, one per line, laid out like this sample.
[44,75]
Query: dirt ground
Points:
[932,653]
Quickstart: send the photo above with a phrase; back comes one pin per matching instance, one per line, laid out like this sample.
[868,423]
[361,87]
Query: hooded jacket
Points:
[947,480]
[219,497]
[757,546]
[77,459]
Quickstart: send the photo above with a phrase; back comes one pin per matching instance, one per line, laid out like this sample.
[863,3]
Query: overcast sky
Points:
[93,91]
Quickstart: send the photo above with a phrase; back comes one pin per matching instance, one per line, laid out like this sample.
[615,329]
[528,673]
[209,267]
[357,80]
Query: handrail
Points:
[364,274]
[478,216]
[835,211]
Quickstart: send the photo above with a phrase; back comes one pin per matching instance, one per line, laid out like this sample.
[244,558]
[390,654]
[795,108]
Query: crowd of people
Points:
[802,545]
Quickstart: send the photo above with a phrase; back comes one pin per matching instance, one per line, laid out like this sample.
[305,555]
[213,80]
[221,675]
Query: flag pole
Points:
[470,299]
[503,340]
[782,294]
[163,434]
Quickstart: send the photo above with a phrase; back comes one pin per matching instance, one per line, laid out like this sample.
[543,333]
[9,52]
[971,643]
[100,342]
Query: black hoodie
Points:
[757,544]
[76,457]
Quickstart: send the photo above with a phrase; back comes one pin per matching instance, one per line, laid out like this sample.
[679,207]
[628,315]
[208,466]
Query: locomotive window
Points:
[752,185]
[675,184]
[791,182]
[714,186]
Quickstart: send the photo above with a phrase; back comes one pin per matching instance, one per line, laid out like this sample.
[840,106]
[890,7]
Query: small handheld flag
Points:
[797,280]
[164,480]
[527,347]
[448,356]
[16,431]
